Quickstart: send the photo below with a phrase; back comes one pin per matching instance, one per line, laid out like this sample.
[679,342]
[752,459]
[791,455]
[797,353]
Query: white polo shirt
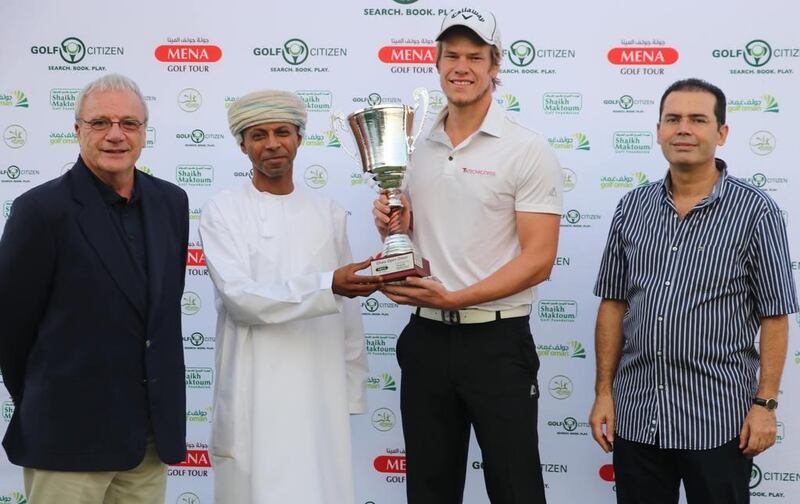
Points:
[465,199]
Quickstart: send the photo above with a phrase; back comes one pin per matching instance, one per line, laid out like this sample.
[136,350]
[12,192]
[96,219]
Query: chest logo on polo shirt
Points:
[476,171]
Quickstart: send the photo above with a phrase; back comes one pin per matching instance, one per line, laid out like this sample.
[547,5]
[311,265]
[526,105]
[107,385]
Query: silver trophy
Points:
[384,137]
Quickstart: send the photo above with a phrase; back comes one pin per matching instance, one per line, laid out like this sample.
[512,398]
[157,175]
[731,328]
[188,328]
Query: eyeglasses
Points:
[103,124]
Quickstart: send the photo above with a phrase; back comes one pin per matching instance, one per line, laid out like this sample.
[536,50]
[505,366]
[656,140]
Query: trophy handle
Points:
[339,125]
[420,95]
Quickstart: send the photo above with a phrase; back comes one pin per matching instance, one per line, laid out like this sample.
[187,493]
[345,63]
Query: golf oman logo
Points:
[521,53]
[583,142]
[331,139]
[295,51]
[15,98]
[578,352]
[510,102]
[383,381]
[576,142]
[770,104]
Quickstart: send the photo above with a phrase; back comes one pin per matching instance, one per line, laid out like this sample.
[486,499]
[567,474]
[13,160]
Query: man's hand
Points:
[758,431]
[421,292]
[603,415]
[400,221]
[347,283]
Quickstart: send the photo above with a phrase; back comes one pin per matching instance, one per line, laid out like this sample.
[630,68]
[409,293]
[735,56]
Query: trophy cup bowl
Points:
[383,134]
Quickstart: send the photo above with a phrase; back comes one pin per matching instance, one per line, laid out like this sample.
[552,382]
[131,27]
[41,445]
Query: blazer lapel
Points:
[96,224]
[155,215]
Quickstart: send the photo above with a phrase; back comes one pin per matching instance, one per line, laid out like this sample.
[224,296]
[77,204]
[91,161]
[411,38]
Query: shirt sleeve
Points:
[355,352]
[612,279]
[539,186]
[250,302]
[772,283]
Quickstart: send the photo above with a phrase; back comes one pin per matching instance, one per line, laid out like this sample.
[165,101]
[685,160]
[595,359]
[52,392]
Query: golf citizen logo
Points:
[757,54]
[521,53]
[755,476]
[295,51]
[371,305]
[73,50]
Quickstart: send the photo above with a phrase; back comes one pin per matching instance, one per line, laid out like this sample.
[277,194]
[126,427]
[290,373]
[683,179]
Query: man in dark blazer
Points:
[92,271]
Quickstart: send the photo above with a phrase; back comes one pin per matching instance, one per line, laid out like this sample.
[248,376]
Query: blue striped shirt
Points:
[697,289]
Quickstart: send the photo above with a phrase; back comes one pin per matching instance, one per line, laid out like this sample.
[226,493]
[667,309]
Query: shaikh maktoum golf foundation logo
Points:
[72,51]
[14,98]
[191,175]
[380,344]
[573,349]
[635,179]
[628,104]
[7,208]
[299,56]
[63,98]
[383,381]
[7,408]
[509,102]
[765,103]
[316,100]
[633,142]
[562,103]
[557,310]
[199,377]
[522,54]
[575,142]
[757,55]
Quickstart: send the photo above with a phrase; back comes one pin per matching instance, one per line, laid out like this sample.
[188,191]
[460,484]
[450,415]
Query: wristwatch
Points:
[770,404]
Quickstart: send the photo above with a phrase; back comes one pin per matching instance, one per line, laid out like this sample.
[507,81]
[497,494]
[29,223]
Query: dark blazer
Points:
[90,356]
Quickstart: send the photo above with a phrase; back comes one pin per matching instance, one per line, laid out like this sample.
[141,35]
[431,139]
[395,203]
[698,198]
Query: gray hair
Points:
[110,82]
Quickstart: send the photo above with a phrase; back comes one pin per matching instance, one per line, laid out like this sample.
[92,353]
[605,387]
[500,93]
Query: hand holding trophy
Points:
[384,137]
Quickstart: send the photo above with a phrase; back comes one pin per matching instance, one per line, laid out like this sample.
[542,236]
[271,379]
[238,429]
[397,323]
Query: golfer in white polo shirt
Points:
[486,198]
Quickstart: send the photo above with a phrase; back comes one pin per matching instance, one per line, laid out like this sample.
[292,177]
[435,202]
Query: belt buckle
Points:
[451,317]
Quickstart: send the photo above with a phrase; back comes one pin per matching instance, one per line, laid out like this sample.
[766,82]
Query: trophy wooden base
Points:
[395,268]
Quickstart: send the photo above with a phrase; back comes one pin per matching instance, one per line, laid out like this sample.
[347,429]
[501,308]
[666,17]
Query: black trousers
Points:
[483,375]
[646,474]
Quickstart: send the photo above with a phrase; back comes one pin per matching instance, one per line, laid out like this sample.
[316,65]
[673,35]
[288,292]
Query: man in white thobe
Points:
[290,361]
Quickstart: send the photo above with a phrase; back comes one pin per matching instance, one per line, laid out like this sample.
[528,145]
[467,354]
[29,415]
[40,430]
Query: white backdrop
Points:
[586,74]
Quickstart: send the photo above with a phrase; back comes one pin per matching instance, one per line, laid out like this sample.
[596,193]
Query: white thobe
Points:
[290,358]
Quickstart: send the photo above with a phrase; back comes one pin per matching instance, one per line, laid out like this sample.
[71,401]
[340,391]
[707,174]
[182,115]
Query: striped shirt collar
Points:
[716,192]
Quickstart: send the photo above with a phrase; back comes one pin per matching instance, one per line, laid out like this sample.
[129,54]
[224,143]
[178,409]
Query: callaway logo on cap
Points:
[483,23]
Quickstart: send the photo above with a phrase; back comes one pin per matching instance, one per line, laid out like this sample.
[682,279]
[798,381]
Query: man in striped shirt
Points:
[694,266]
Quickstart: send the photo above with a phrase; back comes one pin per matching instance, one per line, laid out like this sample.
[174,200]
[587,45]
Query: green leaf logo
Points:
[512,104]
[641,179]
[388,382]
[333,140]
[583,142]
[19,498]
[21,99]
[770,104]
[578,352]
